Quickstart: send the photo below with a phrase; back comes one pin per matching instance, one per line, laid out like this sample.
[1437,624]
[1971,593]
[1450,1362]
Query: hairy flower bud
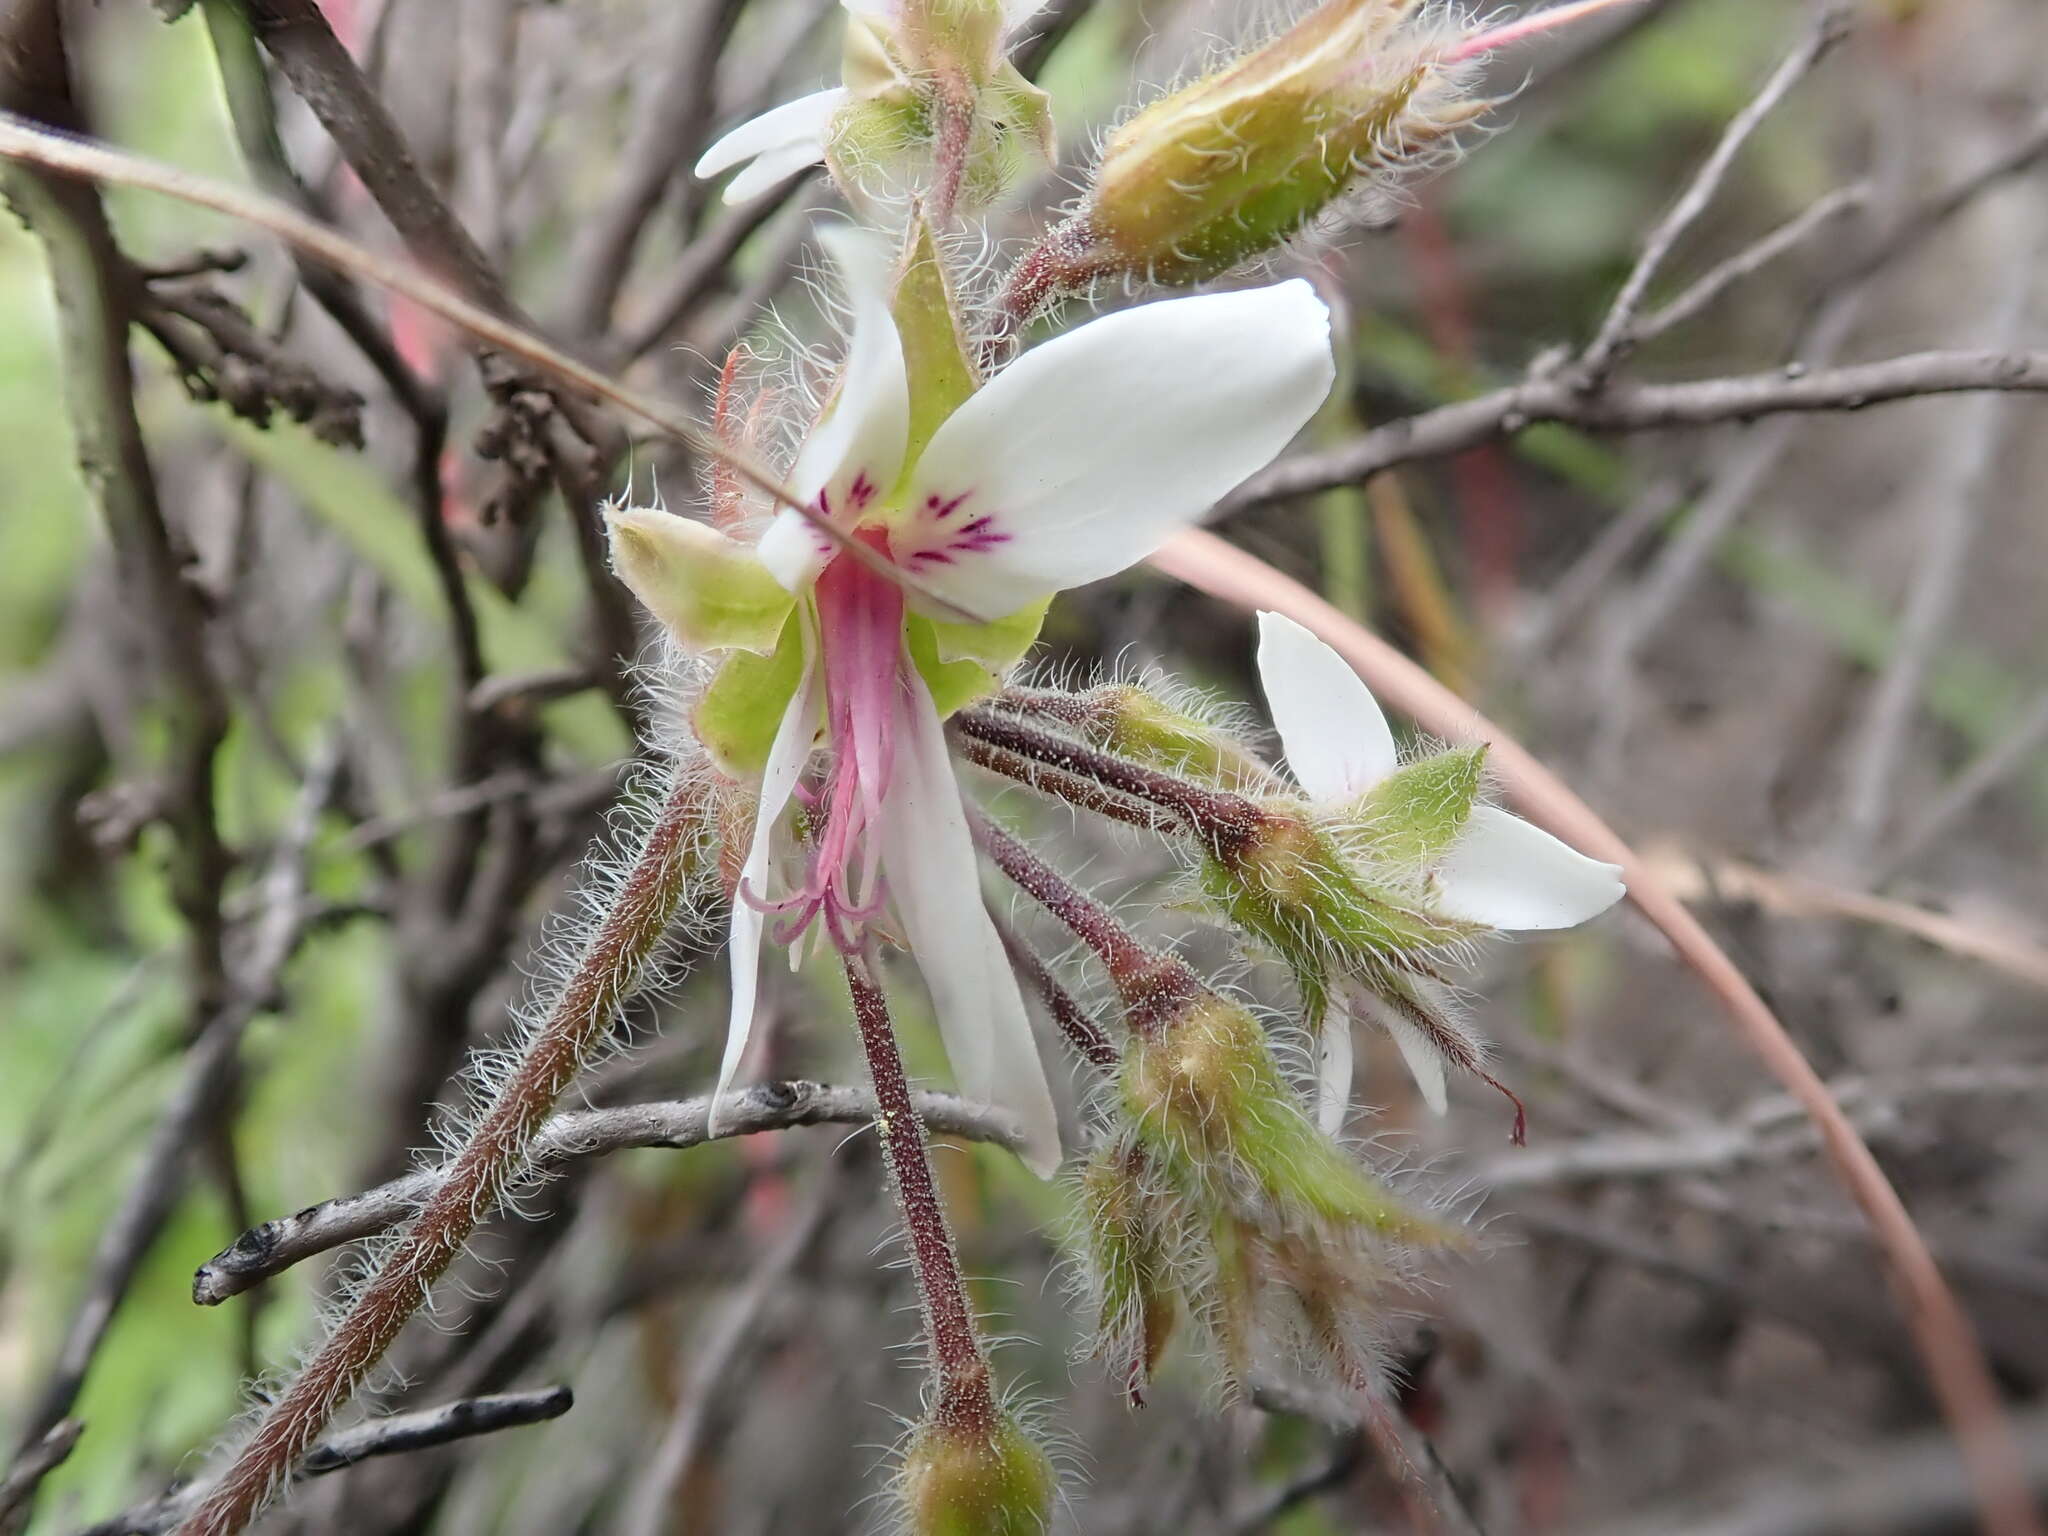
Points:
[975,1480]
[1207,1097]
[1236,163]
[1294,884]
[928,77]
[1128,1264]
[1132,720]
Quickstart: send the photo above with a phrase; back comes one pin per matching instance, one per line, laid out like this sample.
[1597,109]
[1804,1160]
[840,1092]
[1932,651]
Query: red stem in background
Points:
[1489,507]
[1948,1344]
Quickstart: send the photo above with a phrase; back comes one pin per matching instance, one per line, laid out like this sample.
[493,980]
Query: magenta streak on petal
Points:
[860,631]
[948,544]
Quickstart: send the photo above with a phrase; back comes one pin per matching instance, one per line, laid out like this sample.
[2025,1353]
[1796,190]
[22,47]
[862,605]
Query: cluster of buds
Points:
[1218,1189]
[842,622]
[848,635]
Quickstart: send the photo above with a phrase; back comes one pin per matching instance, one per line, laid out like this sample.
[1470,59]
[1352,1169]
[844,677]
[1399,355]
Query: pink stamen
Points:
[860,631]
[1509,33]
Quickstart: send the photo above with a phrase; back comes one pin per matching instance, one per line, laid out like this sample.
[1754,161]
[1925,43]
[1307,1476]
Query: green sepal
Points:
[738,715]
[1147,729]
[1025,109]
[965,33]
[964,1480]
[964,662]
[871,131]
[868,63]
[1128,1260]
[935,355]
[711,592]
[954,684]
[997,645]
[1411,817]
[1292,888]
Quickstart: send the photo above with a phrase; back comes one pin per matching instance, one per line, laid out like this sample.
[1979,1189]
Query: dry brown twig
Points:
[392,1435]
[25,142]
[1998,943]
[276,1246]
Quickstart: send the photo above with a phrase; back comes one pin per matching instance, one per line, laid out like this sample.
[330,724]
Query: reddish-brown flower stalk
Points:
[965,1402]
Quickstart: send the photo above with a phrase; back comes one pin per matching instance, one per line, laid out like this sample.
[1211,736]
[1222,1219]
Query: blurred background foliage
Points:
[1518,248]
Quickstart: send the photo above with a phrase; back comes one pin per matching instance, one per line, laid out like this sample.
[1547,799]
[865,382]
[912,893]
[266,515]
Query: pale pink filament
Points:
[860,631]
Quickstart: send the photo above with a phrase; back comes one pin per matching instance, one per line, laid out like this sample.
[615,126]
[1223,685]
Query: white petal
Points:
[1336,739]
[1506,873]
[935,887]
[802,121]
[786,760]
[1333,1086]
[1082,456]
[1425,1061]
[1017,12]
[855,452]
[770,169]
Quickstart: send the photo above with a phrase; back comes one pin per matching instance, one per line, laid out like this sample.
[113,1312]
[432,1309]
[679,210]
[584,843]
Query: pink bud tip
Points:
[1495,38]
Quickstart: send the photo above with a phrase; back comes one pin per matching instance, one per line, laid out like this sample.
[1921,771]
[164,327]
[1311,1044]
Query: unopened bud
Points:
[929,80]
[1129,1266]
[976,1480]
[1290,883]
[1208,1098]
[1133,721]
[1239,162]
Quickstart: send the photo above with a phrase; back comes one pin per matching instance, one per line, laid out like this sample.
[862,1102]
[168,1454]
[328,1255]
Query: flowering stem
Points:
[1224,822]
[1082,1032]
[950,148]
[490,1162]
[1155,988]
[965,1400]
[1070,787]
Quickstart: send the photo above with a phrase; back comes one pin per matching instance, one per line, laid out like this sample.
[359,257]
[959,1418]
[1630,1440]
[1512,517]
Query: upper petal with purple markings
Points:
[1084,455]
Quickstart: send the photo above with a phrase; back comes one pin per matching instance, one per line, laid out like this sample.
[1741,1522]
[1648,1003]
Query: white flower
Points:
[906,65]
[1068,466]
[1500,871]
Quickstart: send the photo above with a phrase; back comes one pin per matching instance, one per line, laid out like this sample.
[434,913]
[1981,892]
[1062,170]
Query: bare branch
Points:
[1752,259]
[675,110]
[1910,1484]
[1979,777]
[20,140]
[35,1462]
[277,1245]
[649,1507]
[1545,394]
[1951,497]
[1625,407]
[1982,938]
[1618,331]
[421,1430]
[96,296]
